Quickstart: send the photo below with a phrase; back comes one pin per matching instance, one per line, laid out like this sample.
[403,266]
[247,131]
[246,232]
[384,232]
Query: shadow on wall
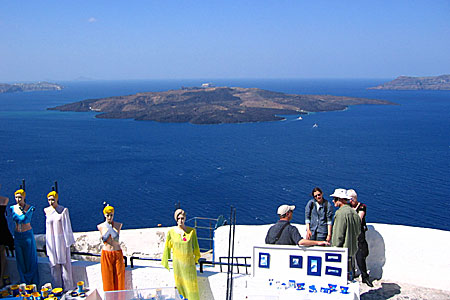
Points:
[377,253]
[386,291]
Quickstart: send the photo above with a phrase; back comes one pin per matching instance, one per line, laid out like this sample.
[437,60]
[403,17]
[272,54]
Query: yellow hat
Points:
[54,194]
[108,210]
[21,192]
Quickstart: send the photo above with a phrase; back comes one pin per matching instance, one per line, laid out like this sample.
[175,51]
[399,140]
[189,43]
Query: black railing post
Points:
[229,254]
[232,254]
[229,294]
[210,235]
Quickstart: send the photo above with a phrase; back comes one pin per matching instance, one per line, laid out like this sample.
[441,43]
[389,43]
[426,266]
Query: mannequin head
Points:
[108,212]
[52,198]
[180,217]
[20,197]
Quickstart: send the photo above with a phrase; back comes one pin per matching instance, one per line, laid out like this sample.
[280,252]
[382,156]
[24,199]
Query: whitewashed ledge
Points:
[403,259]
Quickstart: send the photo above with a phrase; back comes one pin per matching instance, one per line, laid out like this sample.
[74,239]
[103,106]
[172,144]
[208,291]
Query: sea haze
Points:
[396,157]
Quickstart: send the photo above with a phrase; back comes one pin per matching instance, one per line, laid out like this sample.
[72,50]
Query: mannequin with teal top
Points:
[24,243]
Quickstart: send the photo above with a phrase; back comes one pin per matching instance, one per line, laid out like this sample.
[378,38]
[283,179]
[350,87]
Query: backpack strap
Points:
[311,205]
[280,232]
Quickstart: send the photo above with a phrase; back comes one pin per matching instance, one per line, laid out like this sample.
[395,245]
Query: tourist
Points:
[346,227]
[112,263]
[6,239]
[182,242]
[363,247]
[58,239]
[24,243]
[283,233]
[318,217]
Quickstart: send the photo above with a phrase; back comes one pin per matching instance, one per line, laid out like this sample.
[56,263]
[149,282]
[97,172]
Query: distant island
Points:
[29,87]
[441,82]
[212,105]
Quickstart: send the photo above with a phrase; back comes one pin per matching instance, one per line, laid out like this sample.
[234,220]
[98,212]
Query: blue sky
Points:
[64,40]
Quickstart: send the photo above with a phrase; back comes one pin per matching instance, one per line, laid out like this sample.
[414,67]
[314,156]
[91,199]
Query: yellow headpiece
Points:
[54,194]
[22,192]
[108,210]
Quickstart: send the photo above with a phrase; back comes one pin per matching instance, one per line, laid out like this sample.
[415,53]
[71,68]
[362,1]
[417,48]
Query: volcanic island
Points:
[29,87]
[213,105]
[441,82]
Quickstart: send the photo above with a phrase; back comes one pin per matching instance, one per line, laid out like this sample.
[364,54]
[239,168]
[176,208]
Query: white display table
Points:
[259,290]
[293,272]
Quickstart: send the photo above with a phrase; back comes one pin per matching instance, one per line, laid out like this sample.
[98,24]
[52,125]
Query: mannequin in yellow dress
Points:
[182,242]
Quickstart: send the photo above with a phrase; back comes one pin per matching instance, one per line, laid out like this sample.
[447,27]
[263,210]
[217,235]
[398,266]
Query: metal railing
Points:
[133,258]
[125,259]
[205,234]
[206,239]
[200,228]
[222,263]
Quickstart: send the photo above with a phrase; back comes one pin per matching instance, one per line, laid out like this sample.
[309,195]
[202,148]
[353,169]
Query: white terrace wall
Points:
[414,255]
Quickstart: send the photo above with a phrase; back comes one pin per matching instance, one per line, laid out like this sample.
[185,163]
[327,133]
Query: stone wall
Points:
[145,242]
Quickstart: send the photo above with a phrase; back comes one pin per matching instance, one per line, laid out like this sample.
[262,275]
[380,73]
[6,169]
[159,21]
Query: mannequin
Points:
[6,239]
[182,241]
[26,255]
[112,264]
[58,239]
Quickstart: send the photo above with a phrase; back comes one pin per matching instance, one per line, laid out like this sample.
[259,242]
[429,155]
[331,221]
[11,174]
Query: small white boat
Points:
[315,125]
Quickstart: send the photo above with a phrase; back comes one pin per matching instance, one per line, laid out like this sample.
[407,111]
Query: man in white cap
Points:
[346,227]
[363,247]
[283,233]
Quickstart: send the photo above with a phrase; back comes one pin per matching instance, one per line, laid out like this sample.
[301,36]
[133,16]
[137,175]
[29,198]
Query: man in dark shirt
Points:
[283,233]
[363,247]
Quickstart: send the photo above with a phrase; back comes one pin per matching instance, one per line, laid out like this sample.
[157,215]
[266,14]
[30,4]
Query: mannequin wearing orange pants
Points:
[113,267]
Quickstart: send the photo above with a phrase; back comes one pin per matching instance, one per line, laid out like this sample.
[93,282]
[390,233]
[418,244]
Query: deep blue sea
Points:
[396,157]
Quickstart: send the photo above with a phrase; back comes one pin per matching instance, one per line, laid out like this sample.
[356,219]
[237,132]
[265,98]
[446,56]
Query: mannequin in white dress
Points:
[58,239]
